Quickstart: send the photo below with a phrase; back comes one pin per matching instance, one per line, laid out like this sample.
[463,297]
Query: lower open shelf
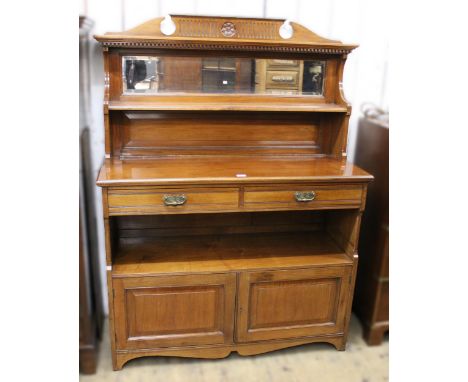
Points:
[231,252]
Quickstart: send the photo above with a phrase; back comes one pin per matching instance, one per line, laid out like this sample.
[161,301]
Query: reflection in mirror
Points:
[175,74]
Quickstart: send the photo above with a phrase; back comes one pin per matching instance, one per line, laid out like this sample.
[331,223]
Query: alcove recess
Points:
[162,134]
[159,244]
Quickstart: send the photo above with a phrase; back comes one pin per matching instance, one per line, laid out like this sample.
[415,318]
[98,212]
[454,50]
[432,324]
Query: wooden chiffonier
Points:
[230,211]
[371,303]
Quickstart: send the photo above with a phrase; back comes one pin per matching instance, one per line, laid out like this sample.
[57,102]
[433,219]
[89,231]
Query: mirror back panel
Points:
[169,74]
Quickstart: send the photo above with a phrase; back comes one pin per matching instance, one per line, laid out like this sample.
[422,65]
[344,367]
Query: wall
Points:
[354,21]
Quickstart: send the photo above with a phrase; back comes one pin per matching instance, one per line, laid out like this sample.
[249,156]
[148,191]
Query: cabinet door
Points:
[292,303]
[152,312]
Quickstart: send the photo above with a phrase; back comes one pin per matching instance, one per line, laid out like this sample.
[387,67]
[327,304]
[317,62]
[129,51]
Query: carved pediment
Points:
[226,33]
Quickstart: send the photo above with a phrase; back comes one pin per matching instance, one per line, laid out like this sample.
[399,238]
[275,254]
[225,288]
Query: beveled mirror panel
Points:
[211,75]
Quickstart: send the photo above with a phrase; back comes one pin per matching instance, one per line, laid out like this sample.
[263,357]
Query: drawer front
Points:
[279,63]
[282,79]
[152,312]
[303,197]
[162,200]
[292,303]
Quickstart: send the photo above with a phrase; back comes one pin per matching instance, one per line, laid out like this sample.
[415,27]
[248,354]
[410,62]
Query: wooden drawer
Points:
[292,303]
[279,63]
[150,200]
[282,79]
[303,197]
[162,311]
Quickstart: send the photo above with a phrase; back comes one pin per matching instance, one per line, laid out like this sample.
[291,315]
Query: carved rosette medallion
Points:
[228,29]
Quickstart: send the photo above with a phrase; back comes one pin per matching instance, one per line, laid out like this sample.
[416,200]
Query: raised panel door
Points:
[292,303]
[153,312]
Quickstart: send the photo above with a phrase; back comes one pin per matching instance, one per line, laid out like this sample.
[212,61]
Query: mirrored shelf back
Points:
[169,74]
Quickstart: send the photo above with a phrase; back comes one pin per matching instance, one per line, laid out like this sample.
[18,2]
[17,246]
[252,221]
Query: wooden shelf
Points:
[215,170]
[247,104]
[222,253]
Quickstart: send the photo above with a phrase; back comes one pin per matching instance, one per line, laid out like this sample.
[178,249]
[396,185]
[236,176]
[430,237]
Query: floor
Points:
[313,362]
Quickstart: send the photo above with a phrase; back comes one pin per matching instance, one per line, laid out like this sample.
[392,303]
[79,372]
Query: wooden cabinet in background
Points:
[230,211]
[372,286]
[181,74]
[90,296]
[279,76]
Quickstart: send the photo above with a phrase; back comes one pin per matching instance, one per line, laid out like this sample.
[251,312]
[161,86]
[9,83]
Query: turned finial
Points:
[168,26]
[286,30]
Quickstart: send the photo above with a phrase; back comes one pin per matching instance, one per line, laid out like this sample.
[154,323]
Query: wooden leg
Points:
[374,335]
[340,344]
[117,361]
[88,361]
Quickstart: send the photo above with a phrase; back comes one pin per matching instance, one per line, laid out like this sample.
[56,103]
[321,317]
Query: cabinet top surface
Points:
[229,170]
[231,33]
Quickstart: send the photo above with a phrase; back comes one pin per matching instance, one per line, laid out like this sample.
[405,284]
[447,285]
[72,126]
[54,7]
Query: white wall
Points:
[364,22]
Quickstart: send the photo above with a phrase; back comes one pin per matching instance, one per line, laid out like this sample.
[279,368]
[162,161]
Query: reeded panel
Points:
[153,75]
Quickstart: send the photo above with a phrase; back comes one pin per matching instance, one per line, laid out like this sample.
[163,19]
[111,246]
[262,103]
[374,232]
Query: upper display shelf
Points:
[224,33]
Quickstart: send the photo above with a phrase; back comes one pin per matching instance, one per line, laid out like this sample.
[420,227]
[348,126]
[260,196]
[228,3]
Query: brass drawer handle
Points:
[174,200]
[307,196]
[282,78]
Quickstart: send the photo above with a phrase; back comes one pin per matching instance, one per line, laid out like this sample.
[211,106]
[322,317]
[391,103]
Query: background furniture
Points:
[231,218]
[91,308]
[372,286]
[279,76]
